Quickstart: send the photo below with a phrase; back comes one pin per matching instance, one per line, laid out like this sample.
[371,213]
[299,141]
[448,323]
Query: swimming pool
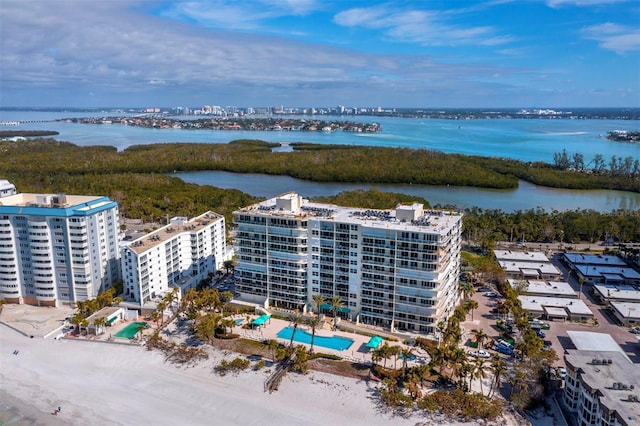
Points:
[412,357]
[337,343]
[130,331]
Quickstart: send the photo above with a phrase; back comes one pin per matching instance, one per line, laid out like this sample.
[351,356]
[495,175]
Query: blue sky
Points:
[496,53]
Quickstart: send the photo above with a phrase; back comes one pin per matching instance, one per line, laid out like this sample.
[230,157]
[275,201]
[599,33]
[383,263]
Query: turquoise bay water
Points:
[335,342]
[523,139]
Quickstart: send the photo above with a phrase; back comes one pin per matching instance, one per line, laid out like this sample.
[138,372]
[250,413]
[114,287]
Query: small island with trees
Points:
[234,123]
[624,136]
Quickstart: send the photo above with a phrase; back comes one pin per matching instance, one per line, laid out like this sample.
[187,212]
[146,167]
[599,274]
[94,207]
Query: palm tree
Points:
[273,345]
[376,356]
[385,352]
[457,359]
[336,304]
[229,265]
[406,355]
[412,386]
[155,316]
[479,372]
[140,329]
[395,351]
[227,323]
[160,307]
[296,320]
[466,370]
[170,298]
[466,289]
[497,368]
[99,323]
[470,305]
[318,301]
[480,336]
[313,322]
[83,324]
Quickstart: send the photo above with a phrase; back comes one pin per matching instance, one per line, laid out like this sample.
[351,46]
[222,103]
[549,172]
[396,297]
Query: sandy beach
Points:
[106,384]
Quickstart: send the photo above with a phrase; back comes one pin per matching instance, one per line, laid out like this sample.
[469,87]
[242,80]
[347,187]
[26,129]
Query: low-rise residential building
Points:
[396,269]
[601,269]
[627,313]
[57,249]
[606,294]
[527,265]
[105,317]
[602,388]
[179,254]
[544,288]
[556,308]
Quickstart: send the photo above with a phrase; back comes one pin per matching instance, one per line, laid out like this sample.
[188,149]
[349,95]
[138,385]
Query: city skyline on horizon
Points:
[392,54]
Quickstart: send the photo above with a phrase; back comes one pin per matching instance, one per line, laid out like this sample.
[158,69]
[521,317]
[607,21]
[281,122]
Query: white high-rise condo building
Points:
[57,249]
[396,269]
[177,255]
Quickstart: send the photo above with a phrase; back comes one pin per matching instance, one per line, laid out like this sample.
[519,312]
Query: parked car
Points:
[480,354]
[504,343]
[504,326]
[536,324]
[491,294]
[503,349]
[635,330]
[507,338]
[540,334]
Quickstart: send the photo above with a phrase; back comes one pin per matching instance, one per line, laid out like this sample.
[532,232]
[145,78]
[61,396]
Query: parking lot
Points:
[484,319]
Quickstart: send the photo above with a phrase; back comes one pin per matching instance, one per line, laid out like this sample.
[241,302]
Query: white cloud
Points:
[223,14]
[559,3]
[615,37]
[419,26]
[125,55]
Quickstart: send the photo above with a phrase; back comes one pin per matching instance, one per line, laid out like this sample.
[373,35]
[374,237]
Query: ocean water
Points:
[522,139]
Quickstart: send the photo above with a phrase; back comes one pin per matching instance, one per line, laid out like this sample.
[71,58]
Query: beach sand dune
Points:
[109,384]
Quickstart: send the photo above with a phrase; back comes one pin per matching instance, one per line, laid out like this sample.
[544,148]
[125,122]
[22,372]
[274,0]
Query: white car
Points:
[562,372]
[480,354]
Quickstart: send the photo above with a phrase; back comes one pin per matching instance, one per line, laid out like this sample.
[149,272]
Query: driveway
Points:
[557,335]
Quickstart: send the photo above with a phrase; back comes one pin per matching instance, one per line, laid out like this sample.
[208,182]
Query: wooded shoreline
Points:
[136,178]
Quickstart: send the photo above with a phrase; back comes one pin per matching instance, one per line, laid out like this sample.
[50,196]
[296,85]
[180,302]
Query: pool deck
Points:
[358,352]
